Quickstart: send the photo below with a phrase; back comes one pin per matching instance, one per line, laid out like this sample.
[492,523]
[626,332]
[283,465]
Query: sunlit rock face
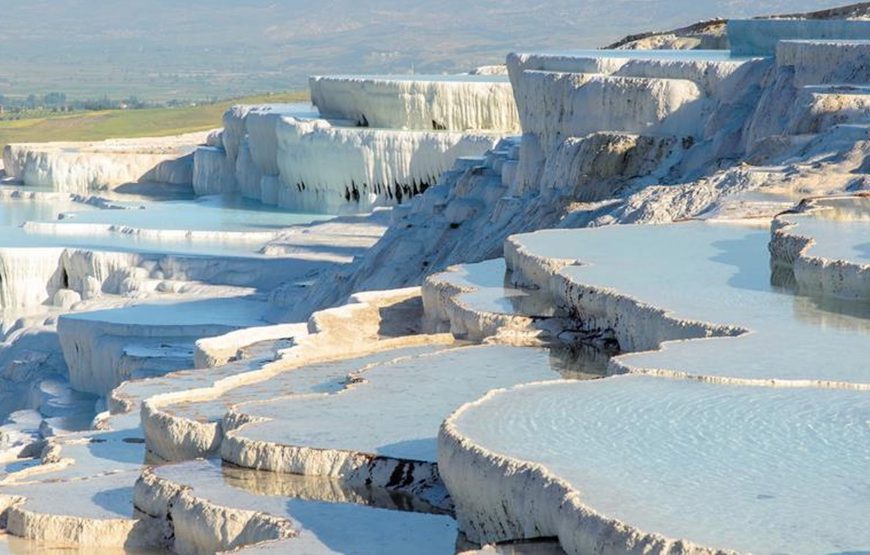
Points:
[366,142]
[63,254]
[826,61]
[662,93]
[83,167]
[327,167]
[622,136]
[419,102]
[213,171]
[245,158]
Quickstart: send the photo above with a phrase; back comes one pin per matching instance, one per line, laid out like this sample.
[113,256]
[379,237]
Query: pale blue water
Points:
[205,214]
[494,293]
[757,469]
[212,213]
[324,527]
[398,410]
[14,212]
[754,469]
[841,229]
[238,312]
[16,237]
[326,377]
[718,273]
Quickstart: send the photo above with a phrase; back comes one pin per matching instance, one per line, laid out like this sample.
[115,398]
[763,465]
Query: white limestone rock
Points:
[260,127]
[234,129]
[361,328]
[452,102]
[821,244]
[327,168]
[818,62]
[213,171]
[248,175]
[66,298]
[93,343]
[472,301]
[577,104]
[82,167]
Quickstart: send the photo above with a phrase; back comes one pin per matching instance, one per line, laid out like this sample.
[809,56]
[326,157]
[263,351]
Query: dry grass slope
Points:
[109,124]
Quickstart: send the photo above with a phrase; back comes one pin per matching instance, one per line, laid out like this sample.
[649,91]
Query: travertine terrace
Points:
[589,301]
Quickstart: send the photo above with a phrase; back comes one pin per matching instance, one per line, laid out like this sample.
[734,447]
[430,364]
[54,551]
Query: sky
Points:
[160,49]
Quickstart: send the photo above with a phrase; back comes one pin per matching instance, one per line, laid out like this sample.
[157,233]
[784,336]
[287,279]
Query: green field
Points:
[109,124]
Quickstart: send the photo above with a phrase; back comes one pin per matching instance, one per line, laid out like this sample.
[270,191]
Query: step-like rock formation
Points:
[325,167]
[370,141]
[419,102]
[662,466]
[718,339]
[475,301]
[688,134]
[206,509]
[113,455]
[94,342]
[83,167]
[824,247]
[397,450]
[164,330]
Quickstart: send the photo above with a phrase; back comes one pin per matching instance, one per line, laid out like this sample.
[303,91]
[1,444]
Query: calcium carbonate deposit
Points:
[589,301]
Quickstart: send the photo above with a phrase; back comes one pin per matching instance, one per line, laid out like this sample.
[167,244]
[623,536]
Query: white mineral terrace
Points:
[725,467]
[826,61]
[212,225]
[130,270]
[324,377]
[703,293]
[827,246]
[371,140]
[82,247]
[840,228]
[724,292]
[707,68]
[210,213]
[564,96]
[327,166]
[109,459]
[287,155]
[477,301]
[80,167]
[446,102]
[93,342]
[409,396]
[675,388]
[236,130]
[295,514]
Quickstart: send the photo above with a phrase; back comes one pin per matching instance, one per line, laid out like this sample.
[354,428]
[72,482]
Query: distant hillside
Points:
[162,49]
[111,124]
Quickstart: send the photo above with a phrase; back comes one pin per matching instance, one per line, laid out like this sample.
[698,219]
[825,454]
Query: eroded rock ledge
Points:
[820,268]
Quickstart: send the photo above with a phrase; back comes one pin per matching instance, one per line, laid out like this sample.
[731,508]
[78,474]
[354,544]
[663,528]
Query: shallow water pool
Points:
[839,227]
[215,226]
[211,213]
